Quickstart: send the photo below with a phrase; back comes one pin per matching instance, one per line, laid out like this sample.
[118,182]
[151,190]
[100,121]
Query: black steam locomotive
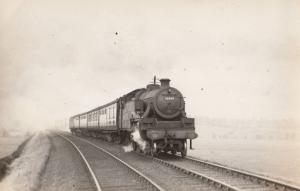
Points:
[157,113]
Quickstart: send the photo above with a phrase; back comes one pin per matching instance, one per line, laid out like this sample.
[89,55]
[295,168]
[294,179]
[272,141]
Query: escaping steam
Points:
[136,137]
[128,148]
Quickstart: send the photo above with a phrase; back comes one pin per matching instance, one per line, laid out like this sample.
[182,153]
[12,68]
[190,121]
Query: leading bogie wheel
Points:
[184,150]
[153,150]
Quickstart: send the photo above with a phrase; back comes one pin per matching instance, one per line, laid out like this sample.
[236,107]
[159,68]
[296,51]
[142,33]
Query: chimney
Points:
[164,83]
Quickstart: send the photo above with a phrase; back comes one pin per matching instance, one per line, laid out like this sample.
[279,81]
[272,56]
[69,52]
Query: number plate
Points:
[169,98]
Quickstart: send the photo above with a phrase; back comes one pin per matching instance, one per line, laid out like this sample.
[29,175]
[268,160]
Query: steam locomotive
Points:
[157,112]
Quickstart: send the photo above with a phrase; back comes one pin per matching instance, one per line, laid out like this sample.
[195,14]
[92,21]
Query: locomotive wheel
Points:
[153,150]
[126,140]
[173,152]
[184,150]
[109,138]
[134,146]
[118,140]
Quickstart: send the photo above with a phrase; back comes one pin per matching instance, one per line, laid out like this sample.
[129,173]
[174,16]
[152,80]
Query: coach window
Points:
[113,112]
[105,114]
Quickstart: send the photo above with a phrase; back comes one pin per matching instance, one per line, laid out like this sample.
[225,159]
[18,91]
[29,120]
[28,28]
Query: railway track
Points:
[175,173]
[108,171]
[236,179]
[168,177]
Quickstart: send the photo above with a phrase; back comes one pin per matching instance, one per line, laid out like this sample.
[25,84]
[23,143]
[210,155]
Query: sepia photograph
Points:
[125,95]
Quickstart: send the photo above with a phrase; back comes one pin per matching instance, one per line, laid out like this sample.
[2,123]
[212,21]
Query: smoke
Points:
[25,172]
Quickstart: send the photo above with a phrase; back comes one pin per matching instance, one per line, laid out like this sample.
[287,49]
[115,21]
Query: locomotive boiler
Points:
[157,112]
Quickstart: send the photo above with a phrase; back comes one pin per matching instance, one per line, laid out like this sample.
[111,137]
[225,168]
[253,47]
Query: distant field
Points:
[274,152]
[9,144]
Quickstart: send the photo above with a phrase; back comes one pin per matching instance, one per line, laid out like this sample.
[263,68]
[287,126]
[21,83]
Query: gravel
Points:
[166,177]
[65,169]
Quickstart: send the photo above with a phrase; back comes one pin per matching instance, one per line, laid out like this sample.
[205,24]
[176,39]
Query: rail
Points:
[86,163]
[260,179]
[146,179]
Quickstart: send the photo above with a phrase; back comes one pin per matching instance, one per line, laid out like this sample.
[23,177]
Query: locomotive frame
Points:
[157,112]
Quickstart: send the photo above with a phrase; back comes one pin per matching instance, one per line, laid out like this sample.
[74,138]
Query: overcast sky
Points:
[230,59]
